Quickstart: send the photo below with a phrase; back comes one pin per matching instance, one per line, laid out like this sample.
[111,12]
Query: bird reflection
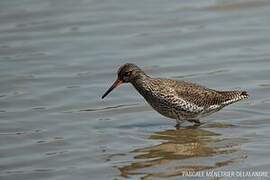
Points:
[186,149]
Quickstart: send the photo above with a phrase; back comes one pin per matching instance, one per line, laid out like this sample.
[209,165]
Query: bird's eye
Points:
[126,73]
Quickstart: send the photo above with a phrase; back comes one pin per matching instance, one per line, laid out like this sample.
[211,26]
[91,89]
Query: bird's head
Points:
[126,73]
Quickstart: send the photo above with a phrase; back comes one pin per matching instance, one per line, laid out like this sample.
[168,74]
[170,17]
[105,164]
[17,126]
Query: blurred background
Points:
[57,57]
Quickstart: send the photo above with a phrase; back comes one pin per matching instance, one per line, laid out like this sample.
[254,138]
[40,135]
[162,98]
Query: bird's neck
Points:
[141,83]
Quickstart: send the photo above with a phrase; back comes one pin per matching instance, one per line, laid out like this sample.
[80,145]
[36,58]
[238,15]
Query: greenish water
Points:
[58,57]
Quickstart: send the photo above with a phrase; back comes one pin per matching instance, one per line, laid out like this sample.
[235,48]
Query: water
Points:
[58,57]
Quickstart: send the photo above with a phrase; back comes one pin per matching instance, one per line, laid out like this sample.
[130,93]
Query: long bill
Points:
[115,84]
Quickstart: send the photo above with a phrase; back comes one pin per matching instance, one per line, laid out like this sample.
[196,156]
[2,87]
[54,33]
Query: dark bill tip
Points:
[115,84]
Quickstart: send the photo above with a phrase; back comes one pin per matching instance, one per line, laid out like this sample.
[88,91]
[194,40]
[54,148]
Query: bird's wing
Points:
[205,97]
[191,97]
[168,95]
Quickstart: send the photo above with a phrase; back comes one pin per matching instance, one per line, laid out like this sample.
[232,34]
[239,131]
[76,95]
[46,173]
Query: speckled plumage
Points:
[180,100]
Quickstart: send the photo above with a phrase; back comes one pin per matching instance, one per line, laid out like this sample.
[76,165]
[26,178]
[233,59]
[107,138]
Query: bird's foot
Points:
[177,126]
[196,122]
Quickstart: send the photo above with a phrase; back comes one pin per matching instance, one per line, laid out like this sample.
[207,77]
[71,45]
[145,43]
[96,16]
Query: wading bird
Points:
[180,100]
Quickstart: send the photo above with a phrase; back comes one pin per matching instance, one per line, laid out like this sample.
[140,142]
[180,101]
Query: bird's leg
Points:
[177,126]
[195,121]
[178,123]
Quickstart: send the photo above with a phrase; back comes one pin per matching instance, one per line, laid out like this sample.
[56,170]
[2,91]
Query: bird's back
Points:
[189,100]
[206,97]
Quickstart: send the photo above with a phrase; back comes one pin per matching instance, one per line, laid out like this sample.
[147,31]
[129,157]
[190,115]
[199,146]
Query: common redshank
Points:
[180,100]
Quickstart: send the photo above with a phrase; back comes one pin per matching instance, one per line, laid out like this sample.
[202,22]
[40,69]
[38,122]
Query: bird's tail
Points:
[233,96]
